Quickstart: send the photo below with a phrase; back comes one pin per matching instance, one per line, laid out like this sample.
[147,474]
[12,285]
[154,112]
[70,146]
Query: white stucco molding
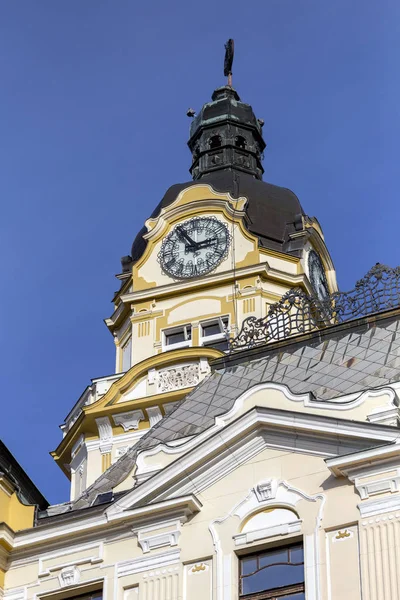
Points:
[266,490]
[263,534]
[149,539]
[388,413]
[341,403]
[154,414]
[69,576]
[281,494]
[147,563]
[62,559]
[284,495]
[268,493]
[129,439]
[182,508]
[384,482]
[234,207]
[129,420]
[105,433]
[379,506]
[352,464]
[262,270]
[245,401]
[374,472]
[77,445]
[16,594]
[200,449]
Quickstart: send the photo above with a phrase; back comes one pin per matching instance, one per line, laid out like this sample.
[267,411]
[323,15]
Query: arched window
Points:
[240,142]
[215,142]
[273,573]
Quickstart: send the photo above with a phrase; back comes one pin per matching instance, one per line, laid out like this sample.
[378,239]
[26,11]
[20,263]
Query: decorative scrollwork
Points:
[378,290]
[179,377]
[297,312]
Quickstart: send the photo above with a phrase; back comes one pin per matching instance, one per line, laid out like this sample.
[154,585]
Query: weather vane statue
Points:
[229,53]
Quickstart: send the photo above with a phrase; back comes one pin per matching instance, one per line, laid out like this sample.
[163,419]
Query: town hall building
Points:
[248,444]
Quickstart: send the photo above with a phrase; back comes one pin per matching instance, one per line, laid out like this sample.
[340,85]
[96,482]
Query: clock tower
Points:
[222,247]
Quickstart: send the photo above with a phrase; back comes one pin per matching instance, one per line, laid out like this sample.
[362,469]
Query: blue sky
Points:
[93,131]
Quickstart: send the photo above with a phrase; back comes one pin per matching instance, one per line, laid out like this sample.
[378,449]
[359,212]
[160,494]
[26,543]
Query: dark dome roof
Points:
[225,103]
[273,212]
[226,134]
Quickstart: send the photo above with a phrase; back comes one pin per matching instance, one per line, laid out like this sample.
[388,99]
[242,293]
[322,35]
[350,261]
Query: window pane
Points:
[272,577]
[296,554]
[273,570]
[271,558]
[249,565]
[175,338]
[127,355]
[211,329]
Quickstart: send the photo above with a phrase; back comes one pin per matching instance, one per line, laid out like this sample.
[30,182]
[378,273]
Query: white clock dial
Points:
[317,276]
[194,248]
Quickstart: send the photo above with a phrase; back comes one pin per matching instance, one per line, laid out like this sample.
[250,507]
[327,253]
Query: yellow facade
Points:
[15,513]
[190,459]
[246,283]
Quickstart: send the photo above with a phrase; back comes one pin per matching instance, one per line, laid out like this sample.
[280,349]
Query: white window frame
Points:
[206,340]
[187,343]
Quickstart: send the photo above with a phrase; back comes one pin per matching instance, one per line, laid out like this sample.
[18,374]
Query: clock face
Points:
[194,248]
[317,276]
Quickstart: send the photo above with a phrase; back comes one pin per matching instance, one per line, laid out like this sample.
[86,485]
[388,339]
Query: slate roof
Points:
[342,359]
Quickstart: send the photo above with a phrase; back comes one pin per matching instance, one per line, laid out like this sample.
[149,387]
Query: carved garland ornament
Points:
[178,377]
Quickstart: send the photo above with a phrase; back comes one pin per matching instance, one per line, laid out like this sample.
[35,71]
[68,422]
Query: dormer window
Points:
[215,142]
[240,142]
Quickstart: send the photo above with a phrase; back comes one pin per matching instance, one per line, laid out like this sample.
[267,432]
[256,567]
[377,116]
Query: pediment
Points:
[191,199]
[202,461]
[305,407]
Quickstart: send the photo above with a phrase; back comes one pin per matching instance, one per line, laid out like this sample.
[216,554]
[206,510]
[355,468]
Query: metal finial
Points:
[229,53]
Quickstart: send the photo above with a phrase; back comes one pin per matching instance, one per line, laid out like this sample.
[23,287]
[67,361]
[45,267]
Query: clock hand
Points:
[184,237]
[206,243]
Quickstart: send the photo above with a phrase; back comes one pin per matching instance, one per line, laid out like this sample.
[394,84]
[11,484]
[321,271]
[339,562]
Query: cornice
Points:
[176,288]
[351,464]
[179,508]
[171,214]
[122,385]
[108,404]
[191,197]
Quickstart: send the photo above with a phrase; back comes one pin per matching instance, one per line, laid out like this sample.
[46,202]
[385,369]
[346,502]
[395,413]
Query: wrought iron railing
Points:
[297,312]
